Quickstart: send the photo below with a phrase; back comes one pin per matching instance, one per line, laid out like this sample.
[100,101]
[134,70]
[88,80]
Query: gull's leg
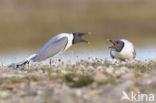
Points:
[50,61]
[114,61]
[130,61]
[127,61]
[118,62]
[22,64]
[28,66]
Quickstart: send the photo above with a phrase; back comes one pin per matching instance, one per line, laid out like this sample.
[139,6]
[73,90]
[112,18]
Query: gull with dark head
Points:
[122,50]
[56,45]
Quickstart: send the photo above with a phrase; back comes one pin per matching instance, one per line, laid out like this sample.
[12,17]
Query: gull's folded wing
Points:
[51,48]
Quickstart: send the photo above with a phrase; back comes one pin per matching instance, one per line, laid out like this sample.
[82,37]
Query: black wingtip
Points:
[22,64]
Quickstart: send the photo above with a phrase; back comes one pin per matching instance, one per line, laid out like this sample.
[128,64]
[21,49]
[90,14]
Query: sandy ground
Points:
[92,81]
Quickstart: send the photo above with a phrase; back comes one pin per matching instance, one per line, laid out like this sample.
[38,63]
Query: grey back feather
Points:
[51,48]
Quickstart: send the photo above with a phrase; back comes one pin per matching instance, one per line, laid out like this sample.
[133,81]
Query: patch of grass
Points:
[48,70]
[32,78]
[140,67]
[11,80]
[110,81]
[77,80]
[113,82]
[72,69]
[138,75]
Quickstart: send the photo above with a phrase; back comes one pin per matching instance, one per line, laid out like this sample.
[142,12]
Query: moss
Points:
[77,80]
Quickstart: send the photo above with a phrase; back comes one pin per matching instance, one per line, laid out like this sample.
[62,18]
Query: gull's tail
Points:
[27,61]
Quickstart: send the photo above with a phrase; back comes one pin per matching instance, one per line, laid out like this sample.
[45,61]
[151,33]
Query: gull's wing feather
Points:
[51,48]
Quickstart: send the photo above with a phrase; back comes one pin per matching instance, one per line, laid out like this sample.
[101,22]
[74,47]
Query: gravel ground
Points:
[91,81]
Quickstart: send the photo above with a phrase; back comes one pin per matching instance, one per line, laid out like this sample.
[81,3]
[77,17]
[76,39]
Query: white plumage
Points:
[56,45]
[127,52]
[70,40]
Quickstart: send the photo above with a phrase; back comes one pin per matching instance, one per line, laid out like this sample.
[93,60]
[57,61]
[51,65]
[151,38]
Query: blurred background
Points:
[25,25]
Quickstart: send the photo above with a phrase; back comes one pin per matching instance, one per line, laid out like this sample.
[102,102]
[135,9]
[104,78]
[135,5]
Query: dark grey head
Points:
[78,37]
[117,44]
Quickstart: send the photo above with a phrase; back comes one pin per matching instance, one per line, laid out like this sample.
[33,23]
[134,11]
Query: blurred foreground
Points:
[83,82]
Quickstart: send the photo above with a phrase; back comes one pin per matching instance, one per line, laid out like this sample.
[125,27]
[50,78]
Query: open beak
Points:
[82,37]
[113,44]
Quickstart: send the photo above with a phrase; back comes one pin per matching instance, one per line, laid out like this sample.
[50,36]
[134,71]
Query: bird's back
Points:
[51,48]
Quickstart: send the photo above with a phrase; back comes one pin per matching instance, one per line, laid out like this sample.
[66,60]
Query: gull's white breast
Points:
[126,53]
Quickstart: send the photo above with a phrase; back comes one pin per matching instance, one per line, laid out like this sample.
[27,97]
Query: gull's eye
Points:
[117,42]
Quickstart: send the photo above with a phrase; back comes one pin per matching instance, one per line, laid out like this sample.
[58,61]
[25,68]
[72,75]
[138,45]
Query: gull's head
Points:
[79,37]
[117,45]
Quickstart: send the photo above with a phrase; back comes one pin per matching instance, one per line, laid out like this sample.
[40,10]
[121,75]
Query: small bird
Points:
[56,45]
[122,50]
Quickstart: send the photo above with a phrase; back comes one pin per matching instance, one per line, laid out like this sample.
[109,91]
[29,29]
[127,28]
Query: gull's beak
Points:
[113,43]
[108,40]
[87,33]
